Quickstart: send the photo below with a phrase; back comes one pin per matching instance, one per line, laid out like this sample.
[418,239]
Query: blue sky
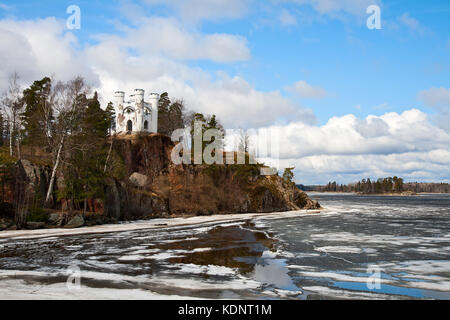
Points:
[313,58]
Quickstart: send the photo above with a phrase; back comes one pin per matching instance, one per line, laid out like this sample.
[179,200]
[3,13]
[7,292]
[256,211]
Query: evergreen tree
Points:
[111,115]
[198,118]
[288,176]
[398,184]
[38,115]
[163,114]
[170,115]
[214,124]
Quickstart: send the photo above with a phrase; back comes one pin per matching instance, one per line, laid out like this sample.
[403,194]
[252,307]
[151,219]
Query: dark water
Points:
[404,240]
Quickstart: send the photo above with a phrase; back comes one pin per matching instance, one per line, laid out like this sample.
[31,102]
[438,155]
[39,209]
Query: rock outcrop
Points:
[33,177]
[76,222]
[156,187]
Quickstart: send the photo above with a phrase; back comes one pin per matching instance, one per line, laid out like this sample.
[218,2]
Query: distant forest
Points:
[381,186]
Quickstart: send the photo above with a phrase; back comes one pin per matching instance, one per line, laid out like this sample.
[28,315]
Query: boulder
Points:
[35,225]
[4,224]
[112,199]
[312,204]
[76,222]
[138,180]
[56,219]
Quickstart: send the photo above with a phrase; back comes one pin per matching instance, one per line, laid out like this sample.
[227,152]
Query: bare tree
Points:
[244,141]
[12,105]
[66,103]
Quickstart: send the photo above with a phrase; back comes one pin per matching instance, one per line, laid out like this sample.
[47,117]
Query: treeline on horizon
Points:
[61,126]
[381,186]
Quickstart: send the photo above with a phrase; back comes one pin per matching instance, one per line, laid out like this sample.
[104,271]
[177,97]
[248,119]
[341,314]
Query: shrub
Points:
[246,171]
[215,172]
[38,215]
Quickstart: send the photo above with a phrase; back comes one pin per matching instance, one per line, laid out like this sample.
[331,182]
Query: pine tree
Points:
[288,176]
[170,115]
[214,124]
[111,115]
[163,114]
[38,115]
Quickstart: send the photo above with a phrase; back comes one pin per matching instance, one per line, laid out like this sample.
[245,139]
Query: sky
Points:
[347,102]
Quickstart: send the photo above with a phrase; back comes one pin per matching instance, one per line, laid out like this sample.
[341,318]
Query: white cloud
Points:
[197,10]
[287,19]
[413,166]
[305,90]
[232,99]
[237,104]
[390,133]
[438,98]
[347,148]
[411,23]
[169,38]
[37,48]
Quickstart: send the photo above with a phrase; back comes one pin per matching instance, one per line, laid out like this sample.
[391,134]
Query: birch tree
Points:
[12,105]
[67,104]
[243,141]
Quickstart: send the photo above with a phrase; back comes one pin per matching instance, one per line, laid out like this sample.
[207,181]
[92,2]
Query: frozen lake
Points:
[317,256]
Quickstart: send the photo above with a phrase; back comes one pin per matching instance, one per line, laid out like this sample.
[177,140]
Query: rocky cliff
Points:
[154,186]
[147,184]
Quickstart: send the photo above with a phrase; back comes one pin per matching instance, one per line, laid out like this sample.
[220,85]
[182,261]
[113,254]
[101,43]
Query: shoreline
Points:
[160,223]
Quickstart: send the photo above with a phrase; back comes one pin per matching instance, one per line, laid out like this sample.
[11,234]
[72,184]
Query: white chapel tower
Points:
[136,115]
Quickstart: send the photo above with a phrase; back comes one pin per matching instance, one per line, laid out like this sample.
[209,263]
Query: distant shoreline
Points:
[402,194]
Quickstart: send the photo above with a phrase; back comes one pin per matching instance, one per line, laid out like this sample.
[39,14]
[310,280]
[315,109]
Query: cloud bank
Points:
[347,149]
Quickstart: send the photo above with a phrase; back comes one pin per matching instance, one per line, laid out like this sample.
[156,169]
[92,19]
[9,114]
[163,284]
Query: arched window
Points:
[130,126]
[145,125]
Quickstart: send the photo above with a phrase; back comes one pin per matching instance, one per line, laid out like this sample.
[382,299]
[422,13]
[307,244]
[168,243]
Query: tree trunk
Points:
[19,156]
[109,154]
[11,132]
[55,168]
